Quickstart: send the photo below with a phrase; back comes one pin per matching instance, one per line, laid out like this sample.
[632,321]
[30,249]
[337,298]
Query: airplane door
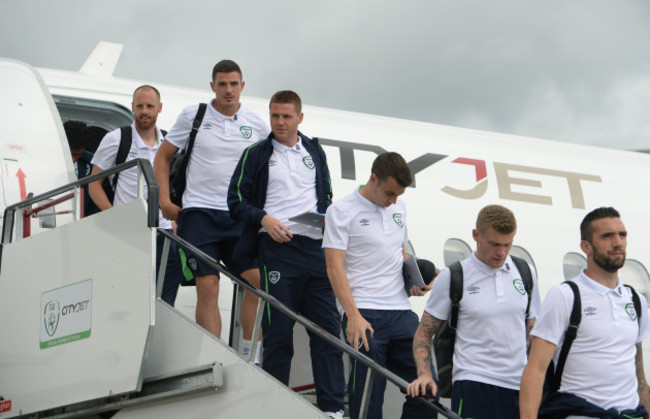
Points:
[34,152]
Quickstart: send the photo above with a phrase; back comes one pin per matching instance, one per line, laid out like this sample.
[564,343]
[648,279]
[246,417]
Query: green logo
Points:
[519,286]
[247,132]
[274,277]
[51,316]
[631,312]
[309,162]
[397,217]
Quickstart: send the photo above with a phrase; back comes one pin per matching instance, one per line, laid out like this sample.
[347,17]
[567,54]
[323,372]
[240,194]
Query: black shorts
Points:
[215,234]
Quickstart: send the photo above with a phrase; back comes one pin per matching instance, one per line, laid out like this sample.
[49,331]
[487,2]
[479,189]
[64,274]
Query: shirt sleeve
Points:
[337,229]
[535,298]
[554,316]
[179,134]
[439,304]
[644,323]
[106,153]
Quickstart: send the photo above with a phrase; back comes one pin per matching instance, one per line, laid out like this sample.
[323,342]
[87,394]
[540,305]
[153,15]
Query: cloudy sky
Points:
[567,70]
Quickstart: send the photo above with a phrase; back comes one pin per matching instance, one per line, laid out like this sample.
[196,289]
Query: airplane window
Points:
[523,254]
[456,249]
[573,264]
[635,274]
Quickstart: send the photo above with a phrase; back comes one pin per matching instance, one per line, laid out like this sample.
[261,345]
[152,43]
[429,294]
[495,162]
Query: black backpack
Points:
[554,375]
[126,138]
[445,338]
[178,164]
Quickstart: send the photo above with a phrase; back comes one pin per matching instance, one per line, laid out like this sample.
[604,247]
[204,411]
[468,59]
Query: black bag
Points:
[445,338]
[126,138]
[178,164]
[554,375]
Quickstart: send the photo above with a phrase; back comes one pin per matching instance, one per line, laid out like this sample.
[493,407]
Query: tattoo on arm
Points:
[644,394]
[422,342]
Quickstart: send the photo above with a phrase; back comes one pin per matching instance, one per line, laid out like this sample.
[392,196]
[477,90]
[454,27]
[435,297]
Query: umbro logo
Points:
[207,125]
[273,162]
[474,290]
[364,222]
[590,311]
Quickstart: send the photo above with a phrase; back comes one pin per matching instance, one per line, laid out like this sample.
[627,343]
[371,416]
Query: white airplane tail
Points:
[103,60]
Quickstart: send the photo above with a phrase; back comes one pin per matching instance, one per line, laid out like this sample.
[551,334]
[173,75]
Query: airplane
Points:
[548,185]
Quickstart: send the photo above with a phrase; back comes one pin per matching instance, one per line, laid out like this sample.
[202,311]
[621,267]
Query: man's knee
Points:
[207,286]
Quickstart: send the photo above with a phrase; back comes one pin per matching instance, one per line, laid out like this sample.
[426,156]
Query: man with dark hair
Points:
[275,179]
[603,373]
[79,137]
[492,329]
[365,233]
[146,137]
[227,129]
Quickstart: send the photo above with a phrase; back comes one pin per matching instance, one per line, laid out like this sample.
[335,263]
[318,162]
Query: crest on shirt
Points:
[397,217]
[631,312]
[519,286]
[274,277]
[247,132]
[309,162]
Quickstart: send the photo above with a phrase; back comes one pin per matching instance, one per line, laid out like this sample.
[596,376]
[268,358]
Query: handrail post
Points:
[256,328]
[236,333]
[367,393]
[163,267]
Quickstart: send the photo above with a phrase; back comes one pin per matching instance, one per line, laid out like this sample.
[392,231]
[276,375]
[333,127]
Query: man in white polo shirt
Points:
[276,179]
[364,240]
[603,375]
[492,330]
[146,137]
[226,130]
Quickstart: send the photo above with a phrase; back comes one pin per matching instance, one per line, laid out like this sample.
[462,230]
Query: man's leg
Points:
[207,304]
[248,313]
[356,383]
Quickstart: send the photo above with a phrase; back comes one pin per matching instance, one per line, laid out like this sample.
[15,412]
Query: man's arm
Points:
[357,325]
[644,396]
[243,183]
[532,380]
[422,356]
[161,169]
[97,192]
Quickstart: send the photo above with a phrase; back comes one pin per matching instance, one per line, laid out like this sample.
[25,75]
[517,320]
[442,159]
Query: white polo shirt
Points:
[127,183]
[600,366]
[219,144]
[292,187]
[491,334]
[372,237]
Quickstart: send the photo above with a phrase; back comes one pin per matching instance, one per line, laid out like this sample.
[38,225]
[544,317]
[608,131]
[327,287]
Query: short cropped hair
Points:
[225,66]
[287,96]
[78,134]
[147,86]
[586,229]
[501,219]
[391,164]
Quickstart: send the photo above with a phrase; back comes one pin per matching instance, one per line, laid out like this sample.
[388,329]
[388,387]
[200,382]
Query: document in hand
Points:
[311,218]
[412,275]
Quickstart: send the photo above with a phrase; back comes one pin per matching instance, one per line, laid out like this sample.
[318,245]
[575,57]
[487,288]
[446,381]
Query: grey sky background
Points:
[576,71]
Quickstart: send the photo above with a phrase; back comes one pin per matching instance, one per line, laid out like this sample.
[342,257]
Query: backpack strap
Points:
[455,293]
[196,124]
[637,303]
[569,335]
[526,277]
[126,138]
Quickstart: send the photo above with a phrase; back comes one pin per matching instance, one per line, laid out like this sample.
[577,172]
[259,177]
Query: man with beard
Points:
[145,140]
[603,374]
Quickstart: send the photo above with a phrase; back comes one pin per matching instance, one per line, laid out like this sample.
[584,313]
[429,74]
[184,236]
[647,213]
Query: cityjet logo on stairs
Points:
[67,314]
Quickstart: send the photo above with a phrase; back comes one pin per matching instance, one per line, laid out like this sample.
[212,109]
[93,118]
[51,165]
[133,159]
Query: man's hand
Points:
[170,210]
[356,332]
[276,229]
[420,385]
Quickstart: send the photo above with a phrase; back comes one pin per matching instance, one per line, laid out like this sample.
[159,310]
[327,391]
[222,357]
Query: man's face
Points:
[384,193]
[607,245]
[76,153]
[492,247]
[145,106]
[227,88]
[284,122]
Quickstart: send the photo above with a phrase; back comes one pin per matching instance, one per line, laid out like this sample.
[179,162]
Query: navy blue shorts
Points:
[214,233]
[472,399]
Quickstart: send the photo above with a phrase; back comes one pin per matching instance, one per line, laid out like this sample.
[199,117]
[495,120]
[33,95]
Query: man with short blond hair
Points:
[492,329]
